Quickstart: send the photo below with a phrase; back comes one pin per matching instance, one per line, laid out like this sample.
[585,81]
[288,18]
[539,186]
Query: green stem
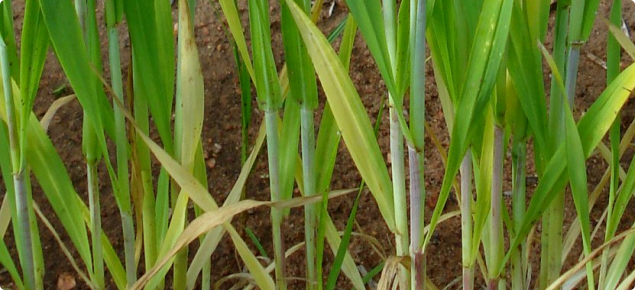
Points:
[206,278]
[417,199]
[496,210]
[613,55]
[22,206]
[417,44]
[308,172]
[551,237]
[399,184]
[271,122]
[154,210]
[466,220]
[518,262]
[149,221]
[95,218]
[19,174]
[179,270]
[129,248]
[399,188]
[121,142]
[572,72]
[80,9]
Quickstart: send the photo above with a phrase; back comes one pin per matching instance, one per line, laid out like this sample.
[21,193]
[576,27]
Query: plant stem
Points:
[399,188]
[18,162]
[129,248]
[613,55]
[466,220]
[417,44]
[308,173]
[154,211]
[551,237]
[496,211]
[556,215]
[22,206]
[95,218]
[179,270]
[518,262]
[271,122]
[80,8]
[417,194]
[121,142]
[572,72]
[399,183]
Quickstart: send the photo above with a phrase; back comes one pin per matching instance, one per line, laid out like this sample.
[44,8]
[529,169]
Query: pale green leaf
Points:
[349,114]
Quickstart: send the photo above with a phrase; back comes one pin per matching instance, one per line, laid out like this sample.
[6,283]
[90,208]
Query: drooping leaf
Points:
[592,127]
[349,113]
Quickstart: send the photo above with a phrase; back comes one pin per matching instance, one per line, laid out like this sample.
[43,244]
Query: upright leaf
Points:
[482,72]
[153,55]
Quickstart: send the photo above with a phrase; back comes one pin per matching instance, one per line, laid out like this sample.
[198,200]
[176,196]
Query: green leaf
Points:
[53,178]
[190,99]
[153,59]
[343,248]
[299,67]
[620,262]
[7,263]
[35,41]
[67,40]
[537,25]
[525,69]
[624,194]
[483,184]
[267,82]
[5,208]
[203,199]
[115,9]
[483,68]
[583,14]
[369,18]
[592,128]
[235,27]
[328,138]
[623,39]
[576,164]
[212,239]
[349,113]
[8,35]
[402,69]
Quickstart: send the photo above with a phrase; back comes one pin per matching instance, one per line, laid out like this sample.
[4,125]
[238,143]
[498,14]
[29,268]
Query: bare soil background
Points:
[222,139]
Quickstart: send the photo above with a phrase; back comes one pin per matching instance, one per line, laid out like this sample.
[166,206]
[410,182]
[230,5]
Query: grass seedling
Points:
[19,172]
[489,77]
[552,219]
[397,154]
[417,44]
[270,101]
[613,52]
[113,19]
[466,220]
[304,90]
[90,145]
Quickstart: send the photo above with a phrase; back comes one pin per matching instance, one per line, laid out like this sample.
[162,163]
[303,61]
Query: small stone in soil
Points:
[216,149]
[211,163]
[66,281]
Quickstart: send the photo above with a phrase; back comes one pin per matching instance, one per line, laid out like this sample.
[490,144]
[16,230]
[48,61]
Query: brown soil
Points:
[222,141]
